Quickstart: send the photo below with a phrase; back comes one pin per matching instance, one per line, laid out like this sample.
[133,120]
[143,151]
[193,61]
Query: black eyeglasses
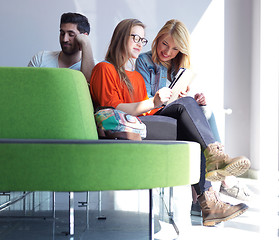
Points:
[137,39]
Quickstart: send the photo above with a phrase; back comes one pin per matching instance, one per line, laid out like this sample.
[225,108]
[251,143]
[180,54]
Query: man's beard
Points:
[69,51]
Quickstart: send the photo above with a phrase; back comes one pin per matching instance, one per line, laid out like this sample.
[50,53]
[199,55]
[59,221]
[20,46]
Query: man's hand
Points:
[87,60]
[83,40]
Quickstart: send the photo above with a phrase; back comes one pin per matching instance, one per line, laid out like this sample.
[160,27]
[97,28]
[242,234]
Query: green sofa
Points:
[49,141]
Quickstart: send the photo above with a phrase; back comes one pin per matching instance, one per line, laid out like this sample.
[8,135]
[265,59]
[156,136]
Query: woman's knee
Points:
[181,106]
[186,101]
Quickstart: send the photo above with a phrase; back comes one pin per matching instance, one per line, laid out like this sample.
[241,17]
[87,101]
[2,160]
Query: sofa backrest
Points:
[45,103]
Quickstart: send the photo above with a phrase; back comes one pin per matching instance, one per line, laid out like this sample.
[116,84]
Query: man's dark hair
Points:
[82,22]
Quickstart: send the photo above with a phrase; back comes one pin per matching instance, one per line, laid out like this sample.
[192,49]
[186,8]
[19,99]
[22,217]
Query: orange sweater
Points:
[107,89]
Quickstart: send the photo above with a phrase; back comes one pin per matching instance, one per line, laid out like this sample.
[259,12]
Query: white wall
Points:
[251,80]
[32,25]
[238,52]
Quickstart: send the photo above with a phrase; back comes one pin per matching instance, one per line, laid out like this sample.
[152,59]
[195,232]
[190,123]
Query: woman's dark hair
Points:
[82,22]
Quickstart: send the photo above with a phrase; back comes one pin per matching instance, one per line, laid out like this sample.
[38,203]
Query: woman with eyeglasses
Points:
[114,82]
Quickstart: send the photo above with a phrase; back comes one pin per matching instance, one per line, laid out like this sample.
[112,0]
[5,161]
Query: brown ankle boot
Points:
[219,165]
[215,211]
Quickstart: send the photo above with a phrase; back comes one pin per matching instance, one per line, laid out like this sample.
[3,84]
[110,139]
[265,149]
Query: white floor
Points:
[126,215]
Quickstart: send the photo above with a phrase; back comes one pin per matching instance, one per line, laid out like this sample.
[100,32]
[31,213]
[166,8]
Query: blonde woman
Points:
[171,51]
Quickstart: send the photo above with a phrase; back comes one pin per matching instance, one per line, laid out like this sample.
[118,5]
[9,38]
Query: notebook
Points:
[182,79]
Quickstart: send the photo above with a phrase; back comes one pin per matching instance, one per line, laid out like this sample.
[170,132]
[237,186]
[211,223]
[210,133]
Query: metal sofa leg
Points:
[100,216]
[151,215]
[87,209]
[71,214]
[170,203]
[53,205]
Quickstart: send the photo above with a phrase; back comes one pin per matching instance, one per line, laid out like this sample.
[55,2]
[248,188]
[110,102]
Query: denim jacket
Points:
[154,75]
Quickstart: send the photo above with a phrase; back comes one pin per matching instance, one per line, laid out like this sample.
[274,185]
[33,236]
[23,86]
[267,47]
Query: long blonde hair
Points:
[118,53]
[178,31]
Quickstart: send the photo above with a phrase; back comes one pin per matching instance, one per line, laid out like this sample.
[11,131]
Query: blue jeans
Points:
[191,126]
[213,126]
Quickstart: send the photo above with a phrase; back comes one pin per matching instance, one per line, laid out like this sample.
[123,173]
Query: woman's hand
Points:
[137,108]
[162,96]
[184,93]
[200,98]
